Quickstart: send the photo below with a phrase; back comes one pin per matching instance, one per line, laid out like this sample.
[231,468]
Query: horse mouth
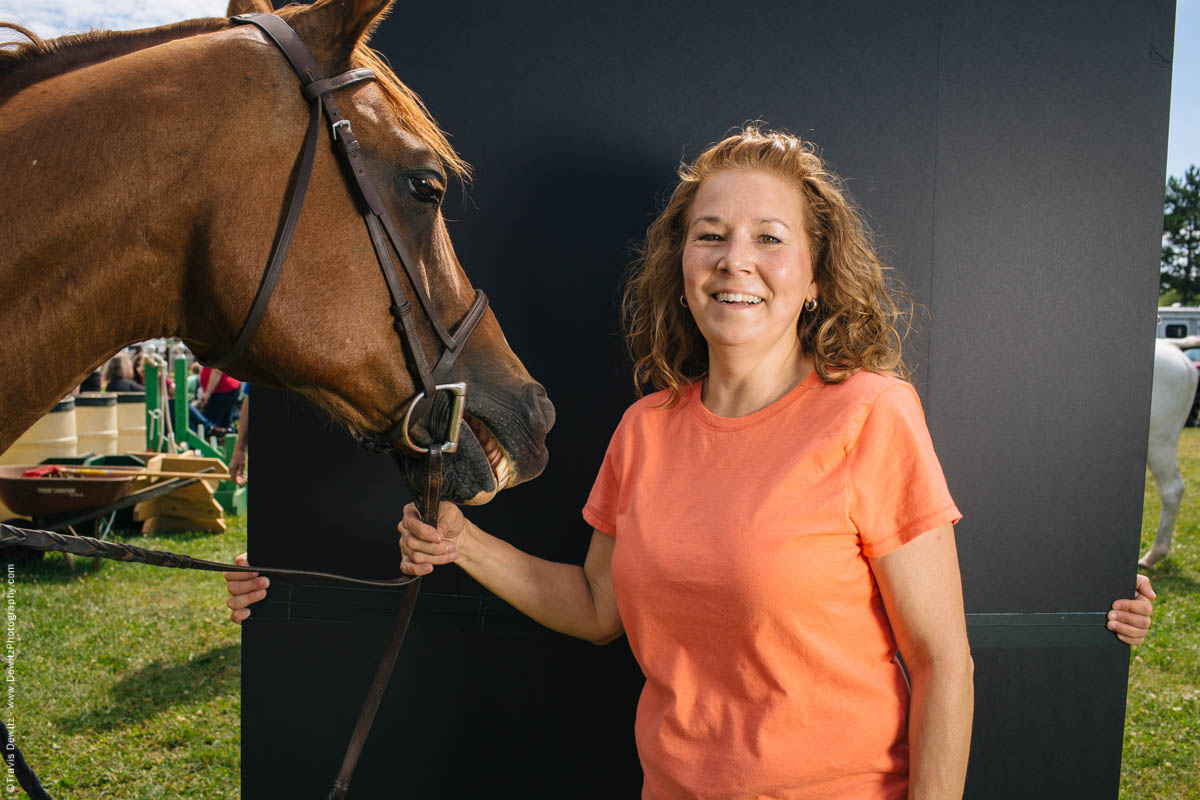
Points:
[501,465]
[496,451]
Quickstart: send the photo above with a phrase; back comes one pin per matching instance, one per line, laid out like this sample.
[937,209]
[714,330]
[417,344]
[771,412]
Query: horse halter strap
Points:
[318,91]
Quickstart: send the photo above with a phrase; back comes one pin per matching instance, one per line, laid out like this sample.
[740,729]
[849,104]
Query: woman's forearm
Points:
[939,727]
[559,596]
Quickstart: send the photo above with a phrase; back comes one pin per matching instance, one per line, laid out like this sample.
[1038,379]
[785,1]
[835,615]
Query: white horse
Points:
[1175,379]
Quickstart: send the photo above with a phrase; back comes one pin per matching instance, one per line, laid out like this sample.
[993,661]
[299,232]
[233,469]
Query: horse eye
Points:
[424,189]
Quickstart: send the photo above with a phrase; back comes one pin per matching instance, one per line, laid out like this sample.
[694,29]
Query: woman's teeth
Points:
[728,297]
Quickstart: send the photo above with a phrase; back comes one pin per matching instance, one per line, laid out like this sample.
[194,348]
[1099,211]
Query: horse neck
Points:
[110,172]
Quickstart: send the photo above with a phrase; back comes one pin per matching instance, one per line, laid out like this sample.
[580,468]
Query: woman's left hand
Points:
[1130,619]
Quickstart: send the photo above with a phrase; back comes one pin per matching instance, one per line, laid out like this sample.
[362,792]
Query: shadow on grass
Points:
[1171,577]
[186,536]
[53,568]
[159,686]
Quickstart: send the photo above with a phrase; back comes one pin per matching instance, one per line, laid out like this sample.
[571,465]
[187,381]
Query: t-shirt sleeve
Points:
[896,487]
[600,511]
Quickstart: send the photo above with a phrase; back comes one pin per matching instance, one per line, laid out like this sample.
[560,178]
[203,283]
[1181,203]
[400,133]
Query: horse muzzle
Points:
[500,442]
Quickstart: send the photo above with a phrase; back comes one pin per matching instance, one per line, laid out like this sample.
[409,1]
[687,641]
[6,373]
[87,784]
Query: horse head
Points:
[328,332]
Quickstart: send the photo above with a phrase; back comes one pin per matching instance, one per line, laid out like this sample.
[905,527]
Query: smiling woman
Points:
[862,313]
[772,525]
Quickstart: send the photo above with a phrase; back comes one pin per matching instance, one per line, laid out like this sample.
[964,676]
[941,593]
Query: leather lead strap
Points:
[40,540]
[387,662]
[383,674]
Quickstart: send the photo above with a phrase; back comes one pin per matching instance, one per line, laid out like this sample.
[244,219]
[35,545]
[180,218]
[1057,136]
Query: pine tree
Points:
[1180,268]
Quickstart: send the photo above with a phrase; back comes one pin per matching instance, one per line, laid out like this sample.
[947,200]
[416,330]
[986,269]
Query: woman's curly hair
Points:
[862,307]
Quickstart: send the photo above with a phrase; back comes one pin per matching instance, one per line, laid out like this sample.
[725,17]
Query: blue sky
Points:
[1184,147]
[49,18]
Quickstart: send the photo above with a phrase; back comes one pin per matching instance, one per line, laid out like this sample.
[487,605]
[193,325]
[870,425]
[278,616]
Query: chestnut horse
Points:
[146,174]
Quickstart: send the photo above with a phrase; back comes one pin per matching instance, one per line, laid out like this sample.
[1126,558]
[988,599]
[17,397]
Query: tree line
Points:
[1179,276]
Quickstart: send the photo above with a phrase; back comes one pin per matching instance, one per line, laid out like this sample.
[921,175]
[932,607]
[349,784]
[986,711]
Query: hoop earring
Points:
[683,300]
[810,304]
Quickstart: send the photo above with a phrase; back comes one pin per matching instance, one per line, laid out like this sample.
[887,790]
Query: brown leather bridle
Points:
[318,91]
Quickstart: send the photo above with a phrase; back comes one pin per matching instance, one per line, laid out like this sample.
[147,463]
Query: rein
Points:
[318,92]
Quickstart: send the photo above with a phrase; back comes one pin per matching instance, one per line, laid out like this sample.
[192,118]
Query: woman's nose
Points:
[738,257]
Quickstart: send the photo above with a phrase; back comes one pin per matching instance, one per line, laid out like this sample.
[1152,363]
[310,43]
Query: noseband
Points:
[318,91]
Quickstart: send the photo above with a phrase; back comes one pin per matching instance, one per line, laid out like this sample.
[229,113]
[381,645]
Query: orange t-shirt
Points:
[741,574]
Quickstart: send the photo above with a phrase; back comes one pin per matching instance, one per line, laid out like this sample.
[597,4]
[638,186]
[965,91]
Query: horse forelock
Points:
[408,107]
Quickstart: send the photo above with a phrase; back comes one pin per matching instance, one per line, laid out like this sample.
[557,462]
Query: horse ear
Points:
[367,14]
[356,19]
[334,28]
[248,7]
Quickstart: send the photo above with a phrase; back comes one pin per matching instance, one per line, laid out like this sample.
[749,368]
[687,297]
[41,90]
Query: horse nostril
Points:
[539,407]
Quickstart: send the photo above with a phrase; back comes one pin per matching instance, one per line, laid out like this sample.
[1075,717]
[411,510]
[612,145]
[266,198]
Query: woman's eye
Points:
[767,238]
[709,237]
[424,189]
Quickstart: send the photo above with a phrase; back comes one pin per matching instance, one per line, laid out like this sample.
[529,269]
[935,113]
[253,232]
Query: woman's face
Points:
[747,270]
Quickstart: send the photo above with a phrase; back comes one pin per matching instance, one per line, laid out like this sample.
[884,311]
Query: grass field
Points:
[127,677]
[1162,716]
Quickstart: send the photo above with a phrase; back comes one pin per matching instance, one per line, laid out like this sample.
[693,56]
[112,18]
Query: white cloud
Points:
[51,18]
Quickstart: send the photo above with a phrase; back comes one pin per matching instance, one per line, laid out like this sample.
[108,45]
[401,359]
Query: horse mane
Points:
[23,63]
[35,59]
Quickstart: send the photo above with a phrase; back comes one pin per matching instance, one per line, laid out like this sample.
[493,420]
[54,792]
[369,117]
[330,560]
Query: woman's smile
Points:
[747,268]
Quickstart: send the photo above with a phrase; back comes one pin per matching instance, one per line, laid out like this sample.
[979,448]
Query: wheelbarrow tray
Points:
[52,496]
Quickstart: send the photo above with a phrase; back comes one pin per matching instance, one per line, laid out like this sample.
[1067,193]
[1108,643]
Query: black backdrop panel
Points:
[1010,159]
[1052,127]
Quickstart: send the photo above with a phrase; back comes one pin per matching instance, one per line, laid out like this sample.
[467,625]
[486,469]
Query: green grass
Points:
[1162,716]
[127,677]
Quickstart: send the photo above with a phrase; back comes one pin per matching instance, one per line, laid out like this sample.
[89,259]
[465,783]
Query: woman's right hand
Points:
[423,546]
[245,588]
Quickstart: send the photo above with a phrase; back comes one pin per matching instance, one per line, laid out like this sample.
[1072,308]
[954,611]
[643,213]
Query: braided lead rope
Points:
[33,539]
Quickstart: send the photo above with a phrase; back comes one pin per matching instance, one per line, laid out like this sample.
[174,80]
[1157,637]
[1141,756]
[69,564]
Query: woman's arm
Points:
[922,592]
[577,601]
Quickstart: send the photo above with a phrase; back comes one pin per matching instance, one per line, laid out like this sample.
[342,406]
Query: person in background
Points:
[193,380]
[118,375]
[218,396]
[237,461]
[91,383]
[139,369]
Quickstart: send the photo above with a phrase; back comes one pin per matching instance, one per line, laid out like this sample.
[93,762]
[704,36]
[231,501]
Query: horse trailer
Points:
[1177,322]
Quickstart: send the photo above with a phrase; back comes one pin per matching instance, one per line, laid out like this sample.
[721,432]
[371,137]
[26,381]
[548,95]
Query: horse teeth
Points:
[492,451]
[502,473]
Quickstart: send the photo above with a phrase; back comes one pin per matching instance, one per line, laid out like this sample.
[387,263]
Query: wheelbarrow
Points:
[56,497]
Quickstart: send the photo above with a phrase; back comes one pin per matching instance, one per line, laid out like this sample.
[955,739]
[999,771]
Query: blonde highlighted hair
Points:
[862,308]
